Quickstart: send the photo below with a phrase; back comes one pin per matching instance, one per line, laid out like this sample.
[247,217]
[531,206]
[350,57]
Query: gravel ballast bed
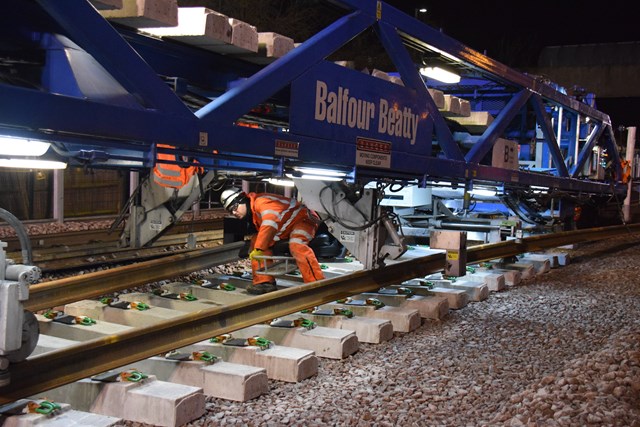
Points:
[562,349]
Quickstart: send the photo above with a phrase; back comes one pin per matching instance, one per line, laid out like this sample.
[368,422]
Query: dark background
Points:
[514,32]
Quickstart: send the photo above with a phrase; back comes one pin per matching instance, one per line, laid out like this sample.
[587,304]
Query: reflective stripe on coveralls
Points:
[277,218]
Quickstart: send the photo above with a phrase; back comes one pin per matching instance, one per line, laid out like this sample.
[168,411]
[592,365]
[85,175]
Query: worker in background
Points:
[276,218]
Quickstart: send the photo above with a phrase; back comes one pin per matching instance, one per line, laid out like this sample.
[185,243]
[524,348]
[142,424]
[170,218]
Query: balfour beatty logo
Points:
[344,109]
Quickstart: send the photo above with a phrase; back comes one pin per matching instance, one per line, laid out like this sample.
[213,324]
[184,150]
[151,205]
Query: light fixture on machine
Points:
[321,174]
[22,153]
[437,65]
[440,74]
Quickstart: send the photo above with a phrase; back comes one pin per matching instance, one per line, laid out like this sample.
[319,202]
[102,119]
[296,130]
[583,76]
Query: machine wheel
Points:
[30,333]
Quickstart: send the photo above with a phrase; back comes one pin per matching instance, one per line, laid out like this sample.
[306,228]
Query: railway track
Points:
[88,248]
[63,366]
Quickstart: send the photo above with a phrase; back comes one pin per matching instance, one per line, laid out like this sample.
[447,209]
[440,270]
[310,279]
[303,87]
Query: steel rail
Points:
[106,255]
[59,292]
[56,368]
[81,237]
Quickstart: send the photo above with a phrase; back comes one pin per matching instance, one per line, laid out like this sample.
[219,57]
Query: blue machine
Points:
[113,97]
[110,96]
[101,95]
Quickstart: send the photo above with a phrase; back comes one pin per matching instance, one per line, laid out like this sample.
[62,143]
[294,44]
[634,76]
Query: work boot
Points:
[261,288]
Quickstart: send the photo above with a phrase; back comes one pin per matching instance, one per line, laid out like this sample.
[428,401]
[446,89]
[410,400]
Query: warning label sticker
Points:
[347,236]
[286,148]
[373,153]
[453,255]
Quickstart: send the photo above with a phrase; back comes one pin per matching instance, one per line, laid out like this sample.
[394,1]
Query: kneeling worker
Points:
[276,218]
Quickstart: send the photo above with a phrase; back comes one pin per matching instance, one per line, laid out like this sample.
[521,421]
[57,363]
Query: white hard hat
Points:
[230,196]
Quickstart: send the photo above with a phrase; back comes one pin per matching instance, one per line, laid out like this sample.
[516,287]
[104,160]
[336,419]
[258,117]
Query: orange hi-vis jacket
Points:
[171,175]
[274,217]
[280,218]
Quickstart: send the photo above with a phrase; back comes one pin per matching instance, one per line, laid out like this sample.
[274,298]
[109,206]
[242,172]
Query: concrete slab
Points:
[451,106]
[129,317]
[221,379]
[274,45]
[511,277]
[564,258]
[527,270]
[477,291]
[169,303]
[476,123]
[429,307]
[48,343]
[66,416]
[244,38]
[217,295]
[197,26]
[542,263]
[465,108]
[367,330]
[145,13]
[438,98]
[494,281]
[78,332]
[402,319]
[281,363]
[456,298]
[107,4]
[149,401]
[324,342]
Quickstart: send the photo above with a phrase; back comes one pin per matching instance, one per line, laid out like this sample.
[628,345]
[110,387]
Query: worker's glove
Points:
[256,252]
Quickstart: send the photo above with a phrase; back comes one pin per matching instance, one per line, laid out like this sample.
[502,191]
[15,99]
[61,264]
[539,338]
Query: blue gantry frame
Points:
[104,99]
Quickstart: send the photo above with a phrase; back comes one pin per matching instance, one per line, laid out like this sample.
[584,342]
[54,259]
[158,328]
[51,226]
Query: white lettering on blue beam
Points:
[343,109]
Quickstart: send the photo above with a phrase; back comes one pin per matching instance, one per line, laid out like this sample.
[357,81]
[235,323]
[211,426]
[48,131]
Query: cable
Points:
[333,217]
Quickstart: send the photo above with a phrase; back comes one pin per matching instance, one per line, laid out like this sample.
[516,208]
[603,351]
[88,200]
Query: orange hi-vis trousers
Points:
[301,234]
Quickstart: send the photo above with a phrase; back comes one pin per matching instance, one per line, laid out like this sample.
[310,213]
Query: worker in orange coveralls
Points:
[276,218]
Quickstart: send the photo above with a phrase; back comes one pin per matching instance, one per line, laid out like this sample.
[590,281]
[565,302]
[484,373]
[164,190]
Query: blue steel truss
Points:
[326,115]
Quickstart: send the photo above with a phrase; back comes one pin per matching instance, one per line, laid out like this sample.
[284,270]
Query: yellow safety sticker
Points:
[453,255]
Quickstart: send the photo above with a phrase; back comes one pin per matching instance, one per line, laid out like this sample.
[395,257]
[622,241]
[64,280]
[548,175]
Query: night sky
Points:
[513,32]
